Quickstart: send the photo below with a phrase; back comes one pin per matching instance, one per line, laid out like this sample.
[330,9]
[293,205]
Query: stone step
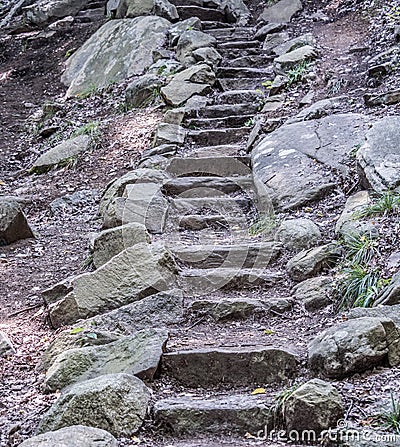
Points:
[245,255]
[209,166]
[195,222]
[185,2]
[241,96]
[227,84]
[238,45]
[234,53]
[223,150]
[226,206]
[223,110]
[204,14]
[208,25]
[211,137]
[200,282]
[209,186]
[247,61]
[230,367]
[244,72]
[212,123]
[232,32]
[218,415]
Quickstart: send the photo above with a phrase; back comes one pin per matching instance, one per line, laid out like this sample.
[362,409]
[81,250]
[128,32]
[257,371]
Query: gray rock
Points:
[195,80]
[275,39]
[137,354]
[319,109]
[143,91]
[6,347]
[379,157]
[282,11]
[117,403]
[315,406]
[236,11]
[116,188]
[207,55]
[13,223]
[270,28]
[136,8]
[310,262]
[176,30]
[382,312]
[45,11]
[379,99]
[166,9]
[62,153]
[169,133]
[314,293]
[72,437]
[298,234]
[164,68]
[159,310]
[118,50]
[109,243]
[287,61]
[293,44]
[188,42]
[285,159]
[354,346]
[133,274]
[391,293]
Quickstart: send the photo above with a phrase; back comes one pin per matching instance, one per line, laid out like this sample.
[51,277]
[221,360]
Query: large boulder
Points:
[133,274]
[379,157]
[315,406]
[355,346]
[137,8]
[13,223]
[118,50]
[117,403]
[73,436]
[138,354]
[282,11]
[314,293]
[62,153]
[298,234]
[143,91]
[297,161]
[45,11]
[108,243]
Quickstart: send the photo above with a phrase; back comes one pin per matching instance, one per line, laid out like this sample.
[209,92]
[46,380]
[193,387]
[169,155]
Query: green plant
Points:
[263,225]
[383,204]
[249,122]
[360,249]
[297,73]
[91,129]
[278,408]
[391,417]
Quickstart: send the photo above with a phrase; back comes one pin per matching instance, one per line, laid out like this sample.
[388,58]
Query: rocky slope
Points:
[251,204]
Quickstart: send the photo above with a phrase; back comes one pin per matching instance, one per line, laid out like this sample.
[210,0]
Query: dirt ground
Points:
[30,68]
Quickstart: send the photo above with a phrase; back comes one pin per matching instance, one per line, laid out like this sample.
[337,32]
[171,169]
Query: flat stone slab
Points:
[230,367]
[379,157]
[221,414]
[209,186]
[73,436]
[208,166]
[258,255]
[138,354]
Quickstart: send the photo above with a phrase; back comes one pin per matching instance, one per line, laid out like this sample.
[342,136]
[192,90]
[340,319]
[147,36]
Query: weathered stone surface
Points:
[76,435]
[62,153]
[354,346]
[190,41]
[195,80]
[137,354]
[298,234]
[118,50]
[230,366]
[176,30]
[293,44]
[314,293]
[273,40]
[137,8]
[133,274]
[217,415]
[142,91]
[207,55]
[116,188]
[288,60]
[319,109]
[170,133]
[391,312]
[285,159]
[116,402]
[13,223]
[282,11]
[379,157]
[315,406]
[6,347]
[310,262]
[378,99]
[109,243]
[236,11]
[159,310]
[391,293]
[270,28]
[45,11]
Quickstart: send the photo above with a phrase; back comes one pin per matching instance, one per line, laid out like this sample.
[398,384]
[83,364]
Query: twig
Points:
[25,309]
